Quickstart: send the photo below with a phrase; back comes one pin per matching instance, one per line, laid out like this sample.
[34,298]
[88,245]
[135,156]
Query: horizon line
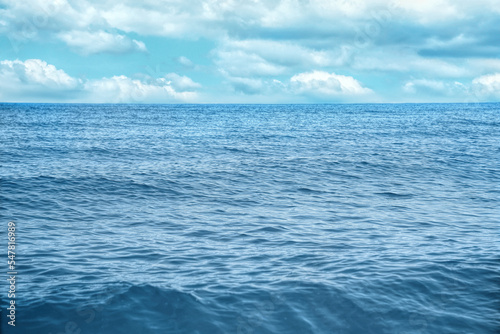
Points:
[233,103]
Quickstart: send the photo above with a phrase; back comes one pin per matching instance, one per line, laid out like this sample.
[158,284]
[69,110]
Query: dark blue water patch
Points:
[296,306]
[253,218]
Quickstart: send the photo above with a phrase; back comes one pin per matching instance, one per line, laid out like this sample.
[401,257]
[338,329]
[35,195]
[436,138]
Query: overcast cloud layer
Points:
[253,51]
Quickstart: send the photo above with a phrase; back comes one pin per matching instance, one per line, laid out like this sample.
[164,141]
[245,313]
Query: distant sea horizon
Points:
[230,103]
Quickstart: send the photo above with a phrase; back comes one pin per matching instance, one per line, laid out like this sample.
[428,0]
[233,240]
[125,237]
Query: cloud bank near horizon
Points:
[281,51]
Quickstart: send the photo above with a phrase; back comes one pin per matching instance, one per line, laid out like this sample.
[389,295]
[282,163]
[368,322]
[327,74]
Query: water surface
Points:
[253,218]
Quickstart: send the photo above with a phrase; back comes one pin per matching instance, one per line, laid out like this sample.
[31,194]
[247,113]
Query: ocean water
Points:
[252,218]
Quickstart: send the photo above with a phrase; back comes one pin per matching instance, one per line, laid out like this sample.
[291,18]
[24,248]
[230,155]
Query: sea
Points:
[331,218]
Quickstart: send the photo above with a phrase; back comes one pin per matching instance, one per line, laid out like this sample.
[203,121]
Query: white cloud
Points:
[439,11]
[185,61]
[283,53]
[265,59]
[485,65]
[36,81]
[258,90]
[291,12]
[302,87]
[438,90]
[147,21]
[439,67]
[52,16]
[487,86]
[412,86]
[167,18]
[79,24]
[181,82]
[320,83]
[425,11]
[34,73]
[86,42]
[394,60]
[121,89]
[239,63]
[483,88]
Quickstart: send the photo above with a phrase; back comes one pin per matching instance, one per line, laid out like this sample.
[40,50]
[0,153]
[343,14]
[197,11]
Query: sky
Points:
[227,51]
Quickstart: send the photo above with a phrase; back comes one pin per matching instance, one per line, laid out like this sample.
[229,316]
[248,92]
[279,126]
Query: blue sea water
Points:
[252,218]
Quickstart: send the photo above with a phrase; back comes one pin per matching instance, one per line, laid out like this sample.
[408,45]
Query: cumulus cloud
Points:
[185,61]
[487,86]
[121,89]
[35,72]
[86,42]
[181,82]
[480,89]
[435,87]
[326,84]
[302,87]
[34,80]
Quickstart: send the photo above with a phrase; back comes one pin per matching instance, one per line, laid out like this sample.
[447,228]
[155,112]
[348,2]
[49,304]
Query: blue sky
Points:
[226,51]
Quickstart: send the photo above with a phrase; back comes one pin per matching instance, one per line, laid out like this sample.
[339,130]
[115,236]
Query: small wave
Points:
[394,195]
